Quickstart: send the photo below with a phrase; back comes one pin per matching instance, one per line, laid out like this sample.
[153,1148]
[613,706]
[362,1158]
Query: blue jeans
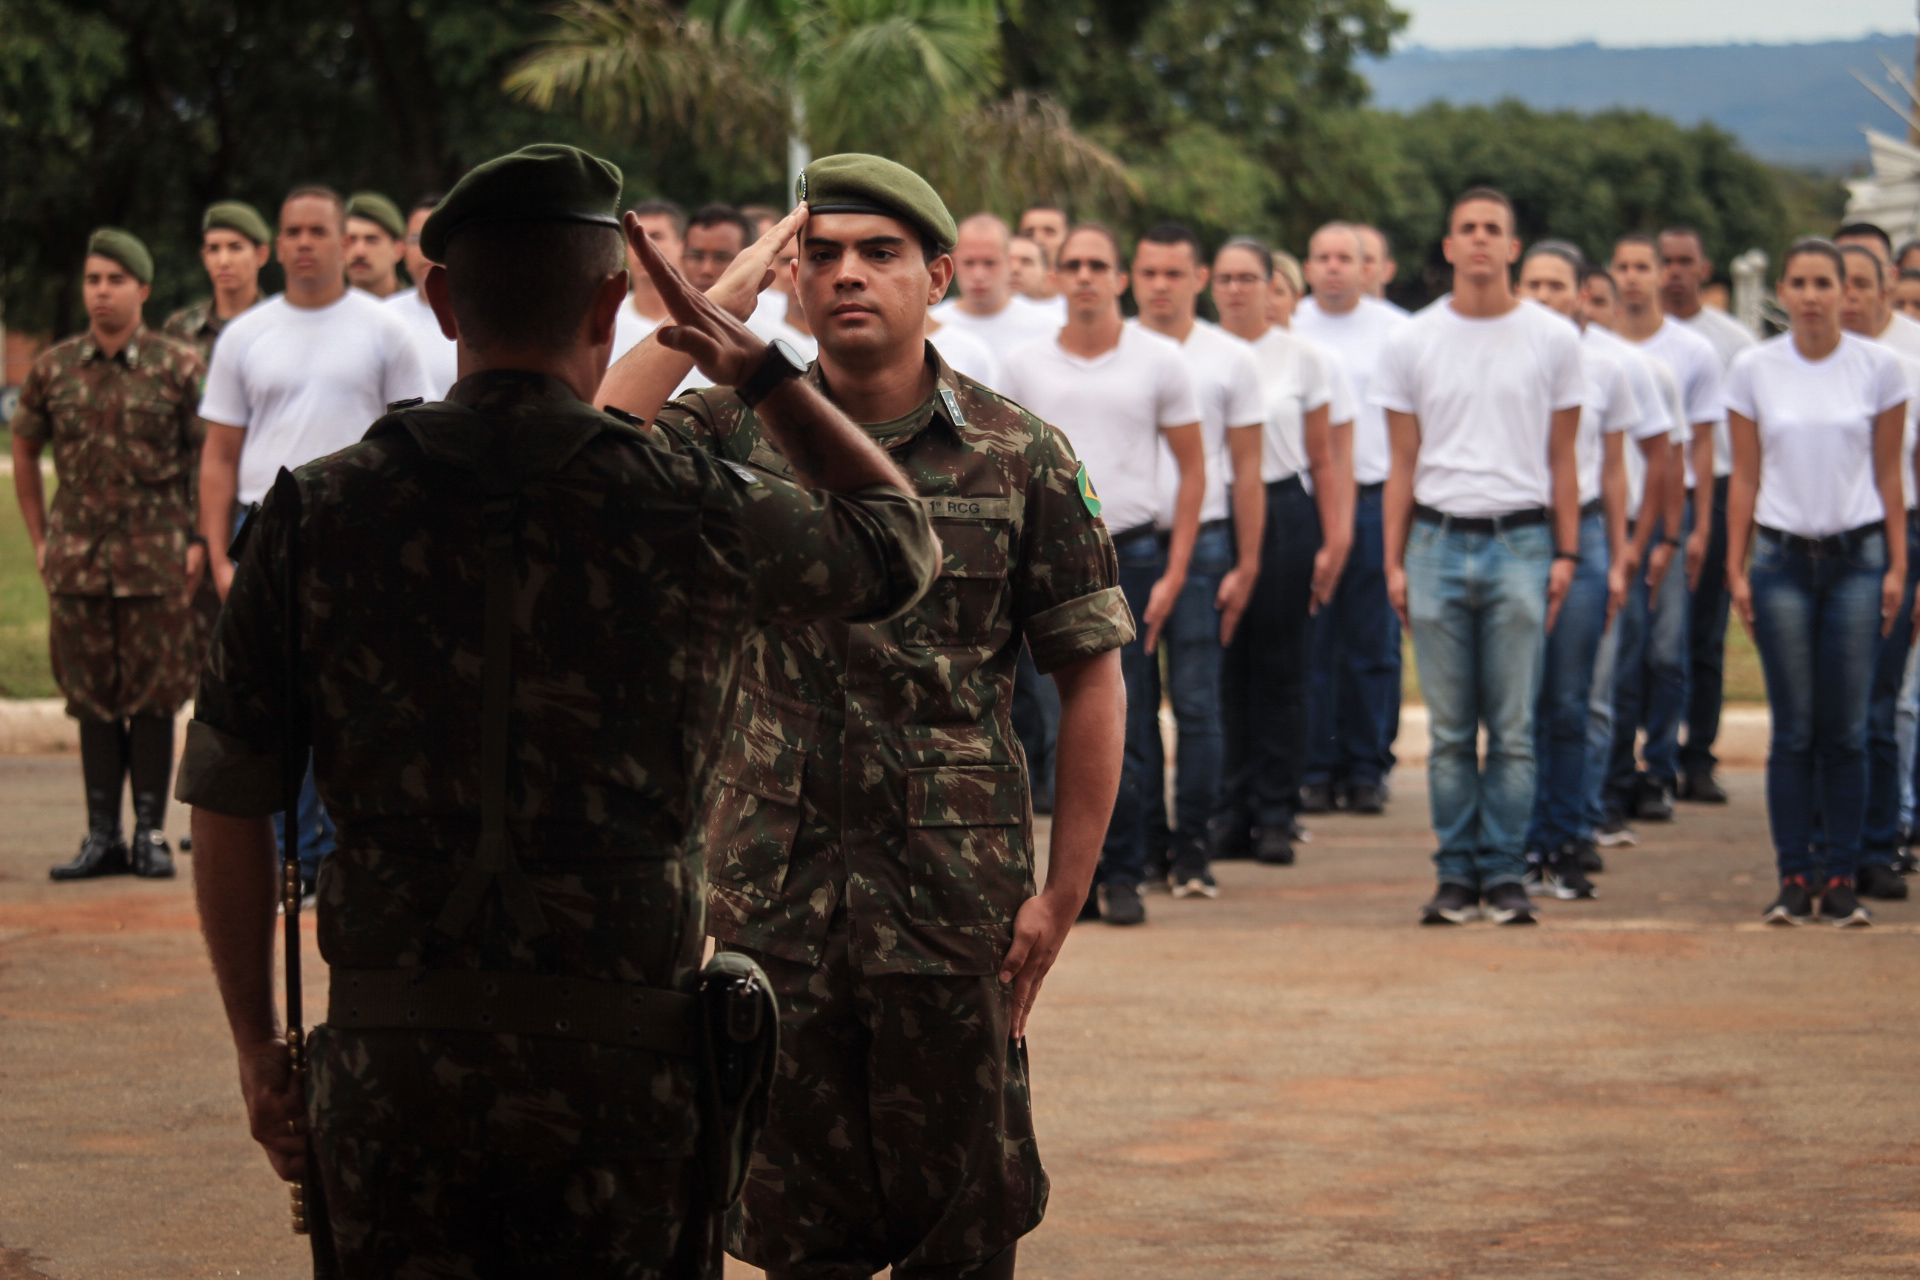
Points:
[1263,682]
[1600,728]
[1123,857]
[1353,684]
[315,827]
[1566,689]
[1707,644]
[1816,622]
[1478,606]
[1191,644]
[1650,682]
[1880,834]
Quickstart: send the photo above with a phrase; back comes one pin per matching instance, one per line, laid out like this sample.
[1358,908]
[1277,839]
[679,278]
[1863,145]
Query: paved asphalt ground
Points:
[1292,1081]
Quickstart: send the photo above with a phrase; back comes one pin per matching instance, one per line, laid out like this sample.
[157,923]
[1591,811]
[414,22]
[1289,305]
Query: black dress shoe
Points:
[1228,842]
[1881,882]
[1367,797]
[102,853]
[1273,846]
[1316,797]
[152,859]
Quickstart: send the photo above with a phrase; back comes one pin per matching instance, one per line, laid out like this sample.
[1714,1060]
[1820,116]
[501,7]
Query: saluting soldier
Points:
[872,844]
[118,555]
[521,624]
[234,244]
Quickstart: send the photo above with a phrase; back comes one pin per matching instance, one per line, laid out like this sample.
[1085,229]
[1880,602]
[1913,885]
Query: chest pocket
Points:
[755,814]
[964,605]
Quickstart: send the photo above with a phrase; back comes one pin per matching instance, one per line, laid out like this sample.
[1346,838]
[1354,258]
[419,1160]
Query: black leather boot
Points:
[150,742]
[103,764]
[151,856]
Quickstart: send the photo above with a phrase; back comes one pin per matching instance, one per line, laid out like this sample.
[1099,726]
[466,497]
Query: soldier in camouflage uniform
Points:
[872,844]
[521,629]
[119,555]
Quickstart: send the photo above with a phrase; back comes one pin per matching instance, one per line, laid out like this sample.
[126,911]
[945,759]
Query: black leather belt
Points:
[1834,544]
[1368,490]
[1290,484]
[520,1004]
[1138,531]
[1593,508]
[1480,524]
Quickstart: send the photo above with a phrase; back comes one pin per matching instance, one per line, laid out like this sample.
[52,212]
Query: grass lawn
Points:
[1744,682]
[24,672]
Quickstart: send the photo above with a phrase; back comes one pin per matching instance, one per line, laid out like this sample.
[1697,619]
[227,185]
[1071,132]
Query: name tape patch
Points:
[947,507]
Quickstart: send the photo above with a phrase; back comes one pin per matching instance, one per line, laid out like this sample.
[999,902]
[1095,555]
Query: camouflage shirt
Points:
[874,765]
[126,439]
[638,575]
[197,326]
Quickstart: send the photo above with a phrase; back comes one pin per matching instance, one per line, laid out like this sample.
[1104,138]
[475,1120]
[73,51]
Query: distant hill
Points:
[1791,104]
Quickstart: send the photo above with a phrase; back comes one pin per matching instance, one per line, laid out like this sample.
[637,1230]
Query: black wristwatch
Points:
[1567,555]
[781,362]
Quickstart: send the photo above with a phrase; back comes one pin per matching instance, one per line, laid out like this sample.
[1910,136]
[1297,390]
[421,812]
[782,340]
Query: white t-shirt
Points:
[630,329]
[1903,334]
[1485,392]
[1112,409]
[1228,389]
[439,354]
[304,382]
[1696,367]
[967,355]
[1909,355]
[1015,325]
[767,328]
[1728,336]
[1610,407]
[1356,338]
[1650,381]
[1055,307]
[1816,430]
[1296,377]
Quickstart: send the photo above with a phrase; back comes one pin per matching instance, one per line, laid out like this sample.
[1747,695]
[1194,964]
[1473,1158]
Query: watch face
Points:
[787,353]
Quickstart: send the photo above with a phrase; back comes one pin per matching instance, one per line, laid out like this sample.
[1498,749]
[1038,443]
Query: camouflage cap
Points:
[124,248]
[376,208]
[546,182]
[856,183]
[236,215]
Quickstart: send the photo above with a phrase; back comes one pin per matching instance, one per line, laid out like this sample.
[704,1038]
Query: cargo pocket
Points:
[755,813]
[963,822]
[963,605]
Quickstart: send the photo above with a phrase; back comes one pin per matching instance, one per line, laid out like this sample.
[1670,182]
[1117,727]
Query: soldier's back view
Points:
[518,627]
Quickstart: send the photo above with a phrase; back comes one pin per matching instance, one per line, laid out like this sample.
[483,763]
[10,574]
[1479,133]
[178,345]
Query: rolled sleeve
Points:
[1066,586]
[1077,629]
[30,420]
[221,772]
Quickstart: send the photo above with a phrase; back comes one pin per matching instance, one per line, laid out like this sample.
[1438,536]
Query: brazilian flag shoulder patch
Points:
[1085,484]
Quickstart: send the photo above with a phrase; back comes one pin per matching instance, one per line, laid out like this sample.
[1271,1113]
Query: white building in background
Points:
[1890,199]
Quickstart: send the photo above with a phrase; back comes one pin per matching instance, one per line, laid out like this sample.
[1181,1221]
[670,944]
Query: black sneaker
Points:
[1122,904]
[1536,868]
[1296,831]
[1794,905]
[1654,803]
[1840,907]
[1701,788]
[1564,879]
[1229,843]
[1273,846]
[1904,863]
[1316,797]
[1453,904]
[1590,860]
[1613,831]
[1193,880]
[1508,904]
[1881,882]
[1367,798]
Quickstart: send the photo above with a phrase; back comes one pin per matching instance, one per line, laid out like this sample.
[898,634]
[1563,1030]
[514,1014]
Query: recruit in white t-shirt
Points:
[1816,430]
[1696,367]
[1655,407]
[1355,338]
[1485,392]
[1112,409]
[439,354]
[1296,377]
[966,355]
[1015,325]
[1728,336]
[630,329]
[1228,389]
[1610,407]
[304,382]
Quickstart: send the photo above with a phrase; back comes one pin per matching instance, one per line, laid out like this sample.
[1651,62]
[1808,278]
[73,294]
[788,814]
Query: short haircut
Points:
[1682,229]
[1043,207]
[1819,247]
[429,201]
[1640,238]
[1046,259]
[1560,249]
[1909,273]
[529,284]
[1346,228]
[1260,252]
[1175,233]
[724,215]
[316,191]
[663,208]
[1857,231]
[1593,271]
[1905,248]
[1098,229]
[1289,266]
[759,213]
[1492,195]
[986,221]
[1386,241]
[1861,251]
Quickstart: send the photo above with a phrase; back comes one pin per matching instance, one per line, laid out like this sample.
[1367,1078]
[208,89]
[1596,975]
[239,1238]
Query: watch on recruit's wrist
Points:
[780,363]
[1567,555]
[1672,542]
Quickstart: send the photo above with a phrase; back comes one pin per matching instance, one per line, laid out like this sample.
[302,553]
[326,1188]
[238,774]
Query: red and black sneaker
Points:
[1794,905]
[1840,906]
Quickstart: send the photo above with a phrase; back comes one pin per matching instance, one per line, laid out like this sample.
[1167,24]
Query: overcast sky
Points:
[1476,24]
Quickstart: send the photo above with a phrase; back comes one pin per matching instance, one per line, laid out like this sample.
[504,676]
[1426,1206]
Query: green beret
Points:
[856,183]
[546,182]
[235,215]
[375,207]
[124,248]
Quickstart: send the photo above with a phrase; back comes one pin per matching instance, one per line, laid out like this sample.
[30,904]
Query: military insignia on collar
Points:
[1084,483]
[953,407]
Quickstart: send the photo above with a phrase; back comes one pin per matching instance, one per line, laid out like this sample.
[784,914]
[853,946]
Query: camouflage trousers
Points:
[900,1131]
[465,1156]
[120,656]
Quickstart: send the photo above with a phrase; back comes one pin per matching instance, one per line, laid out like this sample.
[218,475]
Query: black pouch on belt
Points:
[740,1026]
